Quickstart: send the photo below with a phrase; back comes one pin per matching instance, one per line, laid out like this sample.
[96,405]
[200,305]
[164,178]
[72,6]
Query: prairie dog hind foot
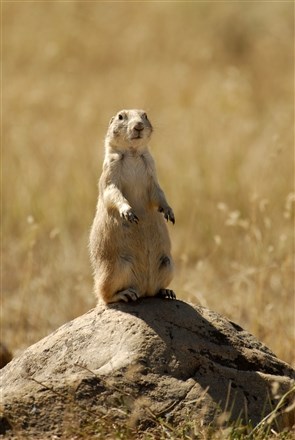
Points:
[166,293]
[126,295]
[130,294]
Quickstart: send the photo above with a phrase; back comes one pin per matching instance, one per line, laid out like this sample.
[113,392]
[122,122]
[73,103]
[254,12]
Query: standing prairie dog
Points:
[129,241]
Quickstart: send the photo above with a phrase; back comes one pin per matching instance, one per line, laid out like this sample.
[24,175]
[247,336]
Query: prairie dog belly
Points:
[145,248]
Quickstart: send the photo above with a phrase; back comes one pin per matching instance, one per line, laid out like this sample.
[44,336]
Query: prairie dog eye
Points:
[120,117]
[144,115]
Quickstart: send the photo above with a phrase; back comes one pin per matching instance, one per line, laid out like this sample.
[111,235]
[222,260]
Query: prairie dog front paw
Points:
[168,213]
[129,215]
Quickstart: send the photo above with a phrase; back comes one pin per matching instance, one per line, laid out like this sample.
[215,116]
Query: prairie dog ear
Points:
[111,120]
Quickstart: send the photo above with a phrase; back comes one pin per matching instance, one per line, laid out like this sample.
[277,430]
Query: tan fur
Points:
[129,241]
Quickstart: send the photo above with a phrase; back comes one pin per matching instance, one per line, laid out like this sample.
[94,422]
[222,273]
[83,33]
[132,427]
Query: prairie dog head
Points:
[129,129]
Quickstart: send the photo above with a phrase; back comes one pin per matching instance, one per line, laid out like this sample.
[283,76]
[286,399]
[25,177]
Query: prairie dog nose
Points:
[139,126]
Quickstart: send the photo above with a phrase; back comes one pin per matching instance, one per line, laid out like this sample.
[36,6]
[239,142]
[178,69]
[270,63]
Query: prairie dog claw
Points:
[166,293]
[130,216]
[126,295]
[168,213]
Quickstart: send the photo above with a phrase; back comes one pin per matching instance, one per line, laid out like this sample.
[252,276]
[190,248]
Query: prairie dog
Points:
[129,243]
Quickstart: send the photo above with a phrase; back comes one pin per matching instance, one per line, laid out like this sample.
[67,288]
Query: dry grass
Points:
[217,81]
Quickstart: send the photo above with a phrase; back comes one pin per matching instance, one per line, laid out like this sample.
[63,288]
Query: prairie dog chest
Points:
[134,178]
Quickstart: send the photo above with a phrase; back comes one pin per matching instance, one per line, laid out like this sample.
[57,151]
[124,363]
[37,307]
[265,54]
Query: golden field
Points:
[217,82]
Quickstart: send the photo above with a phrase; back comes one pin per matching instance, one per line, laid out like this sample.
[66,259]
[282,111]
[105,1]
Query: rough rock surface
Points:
[133,363]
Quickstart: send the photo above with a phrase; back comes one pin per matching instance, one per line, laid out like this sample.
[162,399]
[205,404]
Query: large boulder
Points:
[136,363]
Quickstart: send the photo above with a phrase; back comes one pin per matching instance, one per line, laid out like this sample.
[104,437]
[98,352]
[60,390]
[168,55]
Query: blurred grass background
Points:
[217,82]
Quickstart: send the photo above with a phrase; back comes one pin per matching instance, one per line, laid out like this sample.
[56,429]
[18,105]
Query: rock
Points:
[134,363]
